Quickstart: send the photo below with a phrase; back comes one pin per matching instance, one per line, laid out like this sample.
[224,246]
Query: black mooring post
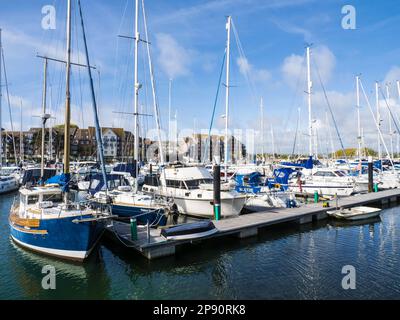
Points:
[211,150]
[199,149]
[217,191]
[370,175]
[151,169]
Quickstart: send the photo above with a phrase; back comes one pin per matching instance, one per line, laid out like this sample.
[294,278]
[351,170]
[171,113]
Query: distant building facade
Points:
[117,144]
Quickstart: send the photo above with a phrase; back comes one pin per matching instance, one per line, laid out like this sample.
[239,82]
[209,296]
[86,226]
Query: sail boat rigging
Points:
[125,202]
[9,182]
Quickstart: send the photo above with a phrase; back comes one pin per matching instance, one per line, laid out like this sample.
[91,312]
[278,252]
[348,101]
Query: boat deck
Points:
[152,245]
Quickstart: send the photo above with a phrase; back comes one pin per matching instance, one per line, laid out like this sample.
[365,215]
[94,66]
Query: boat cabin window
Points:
[177,184]
[340,173]
[151,180]
[32,199]
[56,197]
[194,184]
[188,184]
[324,174]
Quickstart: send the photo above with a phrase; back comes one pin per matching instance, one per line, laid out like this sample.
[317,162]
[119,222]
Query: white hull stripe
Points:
[76,255]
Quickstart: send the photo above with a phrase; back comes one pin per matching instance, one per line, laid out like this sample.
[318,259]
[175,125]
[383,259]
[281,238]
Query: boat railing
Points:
[14,204]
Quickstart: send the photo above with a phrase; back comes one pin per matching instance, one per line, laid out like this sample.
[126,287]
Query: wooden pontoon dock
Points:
[152,245]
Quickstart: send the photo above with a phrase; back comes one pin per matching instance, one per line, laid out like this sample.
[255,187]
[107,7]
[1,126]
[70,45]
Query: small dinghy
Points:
[189,231]
[356,213]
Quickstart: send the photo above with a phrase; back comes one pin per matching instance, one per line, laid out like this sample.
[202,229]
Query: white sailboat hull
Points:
[8,186]
[204,207]
[325,190]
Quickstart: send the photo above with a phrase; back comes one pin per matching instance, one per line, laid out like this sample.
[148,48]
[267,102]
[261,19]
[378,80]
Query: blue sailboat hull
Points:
[60,236]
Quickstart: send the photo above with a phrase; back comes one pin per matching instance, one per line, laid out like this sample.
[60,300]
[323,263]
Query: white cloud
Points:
[324,60]
[392,75]
[248,70]
[173,58]
[292,68]
[291,28]
[55,49]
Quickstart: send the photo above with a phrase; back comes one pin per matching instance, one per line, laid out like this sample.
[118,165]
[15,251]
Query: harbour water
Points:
[290,262]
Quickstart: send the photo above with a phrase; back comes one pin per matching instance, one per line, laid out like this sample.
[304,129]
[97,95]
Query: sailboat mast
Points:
[390,121]
[169,116]
[378,118]
[398,87]
[136,112]
[67,102]
[51,128]
[21,137]
[228,44]
[309,87]
[316,142]
[358,118]
[1,99]
[398,134]
[262,128]
[44,98]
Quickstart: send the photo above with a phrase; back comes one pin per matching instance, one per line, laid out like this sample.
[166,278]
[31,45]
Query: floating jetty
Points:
[152,245]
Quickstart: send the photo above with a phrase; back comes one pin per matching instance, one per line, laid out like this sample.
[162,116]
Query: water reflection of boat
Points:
[78,281]
[342,223]
[75,270]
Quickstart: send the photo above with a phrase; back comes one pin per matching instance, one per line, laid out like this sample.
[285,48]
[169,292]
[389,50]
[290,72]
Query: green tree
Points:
[352,152]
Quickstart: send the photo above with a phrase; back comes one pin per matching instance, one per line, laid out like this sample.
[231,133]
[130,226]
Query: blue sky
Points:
[187,43]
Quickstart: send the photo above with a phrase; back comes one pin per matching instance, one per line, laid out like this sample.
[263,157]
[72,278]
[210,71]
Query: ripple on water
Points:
[289,262]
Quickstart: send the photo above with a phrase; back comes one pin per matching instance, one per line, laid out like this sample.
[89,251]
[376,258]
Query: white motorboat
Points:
[13,171]
[355,213]
[325,181]
[191,189]
[8,184]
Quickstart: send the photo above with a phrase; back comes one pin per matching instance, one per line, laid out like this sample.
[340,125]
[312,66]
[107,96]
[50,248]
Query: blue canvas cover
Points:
[113,181]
